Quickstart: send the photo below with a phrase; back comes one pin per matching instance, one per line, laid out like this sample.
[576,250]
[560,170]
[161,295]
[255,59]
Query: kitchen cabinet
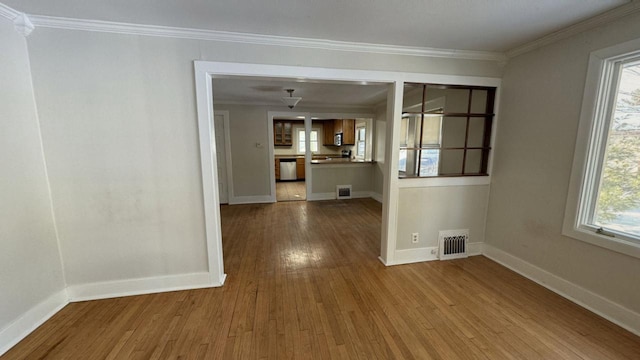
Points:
[332,127]
[348,131]
[282,133]
[327,133]
[300,168]
[277,161]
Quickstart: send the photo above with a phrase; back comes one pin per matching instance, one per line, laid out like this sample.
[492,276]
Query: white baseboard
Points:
[475,249]
[129,287]
[377,197]
[332,195]
[29,321]
[321,196]
[258,199]
[409,256]
[609,310]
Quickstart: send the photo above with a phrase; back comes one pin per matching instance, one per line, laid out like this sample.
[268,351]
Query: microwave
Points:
[337,140]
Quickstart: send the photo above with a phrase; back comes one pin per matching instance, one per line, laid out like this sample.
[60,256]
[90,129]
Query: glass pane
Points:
[453,132]
[429,161]
[476,132]
[478,101]
[360,150]
[431,131]
[451,161]
[314,146]
[618,201]
[402,163]
[410,131]
[473,163]
[412,98]
[314,135]
[456,100]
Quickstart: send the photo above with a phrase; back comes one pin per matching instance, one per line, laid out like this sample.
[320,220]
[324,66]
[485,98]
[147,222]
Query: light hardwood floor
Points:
[291,191]
[304,282]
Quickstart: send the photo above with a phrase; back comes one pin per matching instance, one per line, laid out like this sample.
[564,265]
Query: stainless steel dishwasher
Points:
[288,169]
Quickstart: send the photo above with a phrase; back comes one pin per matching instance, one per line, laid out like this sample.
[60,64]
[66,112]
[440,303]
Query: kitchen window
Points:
[361,141]
[445,130]
[313,143]
[603,205]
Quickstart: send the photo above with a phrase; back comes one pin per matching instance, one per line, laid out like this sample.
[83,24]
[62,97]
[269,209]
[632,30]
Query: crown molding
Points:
[604,18]
[21,22]
[259,39]
[8,12]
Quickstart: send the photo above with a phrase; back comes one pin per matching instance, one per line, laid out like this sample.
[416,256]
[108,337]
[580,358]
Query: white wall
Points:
[30,265]
[120,134]
[429,210]
[541,102]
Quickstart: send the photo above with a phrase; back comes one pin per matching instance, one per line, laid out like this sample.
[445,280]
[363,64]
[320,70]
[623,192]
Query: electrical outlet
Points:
[433,251]
[415,238]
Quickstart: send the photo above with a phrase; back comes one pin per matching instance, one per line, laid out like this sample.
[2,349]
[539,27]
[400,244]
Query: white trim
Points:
[30,320]
[444,181]
[257,199]
[410,256]
[332,195]
[591,301]
[321,196]
[227,151]
[578,193]
[150,285]
[376,196]
[474,249]
[9,12]
[259,39]
[598,20]
[213,229]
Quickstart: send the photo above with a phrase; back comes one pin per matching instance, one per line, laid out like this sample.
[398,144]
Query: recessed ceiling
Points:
[262,91]
[487,25]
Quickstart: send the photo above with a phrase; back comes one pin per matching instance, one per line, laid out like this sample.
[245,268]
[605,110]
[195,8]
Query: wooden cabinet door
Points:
[300,169]
[327,133]
[277,169]
[337,126]
[348,132]
[282,133]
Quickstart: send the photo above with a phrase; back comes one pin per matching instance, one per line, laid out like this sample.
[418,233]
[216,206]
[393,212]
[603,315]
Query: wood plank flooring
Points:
[291,191]
[304,282]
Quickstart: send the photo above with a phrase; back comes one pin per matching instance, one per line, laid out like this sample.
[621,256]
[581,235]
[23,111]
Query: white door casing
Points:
[220,127]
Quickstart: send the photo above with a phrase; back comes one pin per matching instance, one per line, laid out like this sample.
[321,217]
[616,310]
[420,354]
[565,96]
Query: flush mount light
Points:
[291,101]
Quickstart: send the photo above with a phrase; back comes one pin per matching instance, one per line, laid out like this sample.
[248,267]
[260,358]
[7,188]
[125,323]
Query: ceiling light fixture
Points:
[291,101]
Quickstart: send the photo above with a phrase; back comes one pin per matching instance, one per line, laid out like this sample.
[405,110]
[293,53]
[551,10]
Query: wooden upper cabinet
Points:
[337,126]
[327,133]
[345,126]
[282,133]
[348,131]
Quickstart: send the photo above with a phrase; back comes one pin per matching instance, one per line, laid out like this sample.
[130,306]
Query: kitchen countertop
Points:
[341,161]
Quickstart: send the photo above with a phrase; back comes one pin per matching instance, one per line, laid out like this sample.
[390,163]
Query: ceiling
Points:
[482,25]
[479,25]
[266,91]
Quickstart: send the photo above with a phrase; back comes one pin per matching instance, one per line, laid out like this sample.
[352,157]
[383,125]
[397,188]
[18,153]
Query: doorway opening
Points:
[290,148]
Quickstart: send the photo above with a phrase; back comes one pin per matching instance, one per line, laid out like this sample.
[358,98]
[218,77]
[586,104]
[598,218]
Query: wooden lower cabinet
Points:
[277,169]
[300,168]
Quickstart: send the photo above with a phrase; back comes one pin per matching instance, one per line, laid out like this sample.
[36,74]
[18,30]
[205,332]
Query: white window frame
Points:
[302,131]
[597,111]
[363,140]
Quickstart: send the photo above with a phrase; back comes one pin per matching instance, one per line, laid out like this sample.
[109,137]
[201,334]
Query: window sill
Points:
[616,244]
[444,181]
